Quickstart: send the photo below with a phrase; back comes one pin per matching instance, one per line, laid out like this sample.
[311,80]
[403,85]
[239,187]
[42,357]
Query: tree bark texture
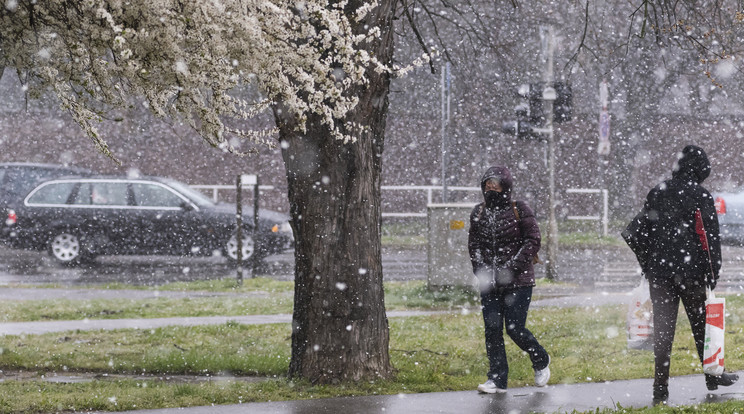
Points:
[340,330]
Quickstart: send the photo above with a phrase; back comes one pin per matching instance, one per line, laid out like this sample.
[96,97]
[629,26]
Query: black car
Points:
[79,218]
[18,178]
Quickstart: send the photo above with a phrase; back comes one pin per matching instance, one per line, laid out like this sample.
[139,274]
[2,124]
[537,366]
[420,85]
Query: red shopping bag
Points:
[715,326]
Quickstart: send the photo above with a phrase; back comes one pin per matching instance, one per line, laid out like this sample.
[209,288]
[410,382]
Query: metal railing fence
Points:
[603,216]
[216,188]
[429,190]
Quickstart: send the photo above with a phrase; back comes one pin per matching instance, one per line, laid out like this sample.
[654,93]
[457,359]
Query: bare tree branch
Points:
[418,35]
[582,44]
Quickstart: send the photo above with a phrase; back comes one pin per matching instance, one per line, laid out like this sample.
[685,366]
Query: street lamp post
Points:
[445,122]
[538,122]
[549,96]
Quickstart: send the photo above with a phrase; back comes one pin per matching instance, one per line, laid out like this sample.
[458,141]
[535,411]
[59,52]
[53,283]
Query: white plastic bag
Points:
[715,326]
[640,321]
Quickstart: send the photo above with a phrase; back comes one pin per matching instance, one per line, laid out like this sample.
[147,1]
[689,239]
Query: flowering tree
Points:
[184,58]
[322,66]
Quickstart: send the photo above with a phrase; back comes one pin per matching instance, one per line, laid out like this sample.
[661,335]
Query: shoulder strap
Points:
[516,210]
[536,257]
[480,212]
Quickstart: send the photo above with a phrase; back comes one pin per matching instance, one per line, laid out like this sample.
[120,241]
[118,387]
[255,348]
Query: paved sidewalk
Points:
[36,328]
[23,294]
[41,327]
[686,390]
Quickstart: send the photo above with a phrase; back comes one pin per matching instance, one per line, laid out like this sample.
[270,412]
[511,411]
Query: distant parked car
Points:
[18,178]
[730,208]
[79,218]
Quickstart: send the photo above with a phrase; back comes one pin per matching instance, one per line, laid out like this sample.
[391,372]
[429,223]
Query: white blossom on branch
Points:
[186,59]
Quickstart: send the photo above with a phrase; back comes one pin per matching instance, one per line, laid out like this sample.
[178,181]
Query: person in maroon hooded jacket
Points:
[503,240]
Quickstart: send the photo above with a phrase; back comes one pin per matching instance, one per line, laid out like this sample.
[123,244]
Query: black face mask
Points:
[495,199]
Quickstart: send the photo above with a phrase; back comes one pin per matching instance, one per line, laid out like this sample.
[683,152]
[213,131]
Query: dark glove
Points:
[711,282]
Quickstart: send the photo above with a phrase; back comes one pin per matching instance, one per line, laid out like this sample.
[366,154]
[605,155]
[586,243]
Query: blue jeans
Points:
[508,307]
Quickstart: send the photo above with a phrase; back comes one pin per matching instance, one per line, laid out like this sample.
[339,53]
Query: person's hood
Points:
[503,175]
[692,164]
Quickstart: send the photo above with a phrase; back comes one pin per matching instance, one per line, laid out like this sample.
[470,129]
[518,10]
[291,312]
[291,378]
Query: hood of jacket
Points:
[692,164]
[505,179]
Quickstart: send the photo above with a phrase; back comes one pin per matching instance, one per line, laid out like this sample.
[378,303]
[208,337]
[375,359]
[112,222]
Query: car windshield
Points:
[198,198]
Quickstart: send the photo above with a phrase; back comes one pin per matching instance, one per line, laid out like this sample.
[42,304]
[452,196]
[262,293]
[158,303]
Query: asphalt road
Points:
[31,267]
[610,269]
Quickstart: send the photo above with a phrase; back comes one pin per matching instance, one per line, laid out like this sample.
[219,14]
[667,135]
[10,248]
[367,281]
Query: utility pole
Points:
[445,122]
[549,96]
[603,146]
[239,227]
[256,233]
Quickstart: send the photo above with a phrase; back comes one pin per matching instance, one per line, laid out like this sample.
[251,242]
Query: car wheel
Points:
[231,248]
[66,247]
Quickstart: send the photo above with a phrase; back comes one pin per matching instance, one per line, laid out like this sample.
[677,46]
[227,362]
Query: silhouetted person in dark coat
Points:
[674,262]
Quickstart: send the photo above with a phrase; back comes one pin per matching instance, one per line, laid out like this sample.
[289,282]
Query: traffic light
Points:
[525,111]
[529,111]
[563,105]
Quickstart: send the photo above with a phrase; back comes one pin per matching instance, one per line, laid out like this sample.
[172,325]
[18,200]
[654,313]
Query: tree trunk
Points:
[340,330]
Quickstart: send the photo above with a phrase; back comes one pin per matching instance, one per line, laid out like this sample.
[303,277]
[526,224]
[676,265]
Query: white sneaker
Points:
[542,375]
[489,387]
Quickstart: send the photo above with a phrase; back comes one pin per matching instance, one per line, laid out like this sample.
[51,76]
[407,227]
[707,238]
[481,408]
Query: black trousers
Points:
[665,296]
[506,309]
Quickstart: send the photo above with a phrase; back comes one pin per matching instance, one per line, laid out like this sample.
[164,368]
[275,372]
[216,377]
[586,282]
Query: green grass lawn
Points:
[261,296]
[729,407]
[430,353]
[249,285]
[62,309]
